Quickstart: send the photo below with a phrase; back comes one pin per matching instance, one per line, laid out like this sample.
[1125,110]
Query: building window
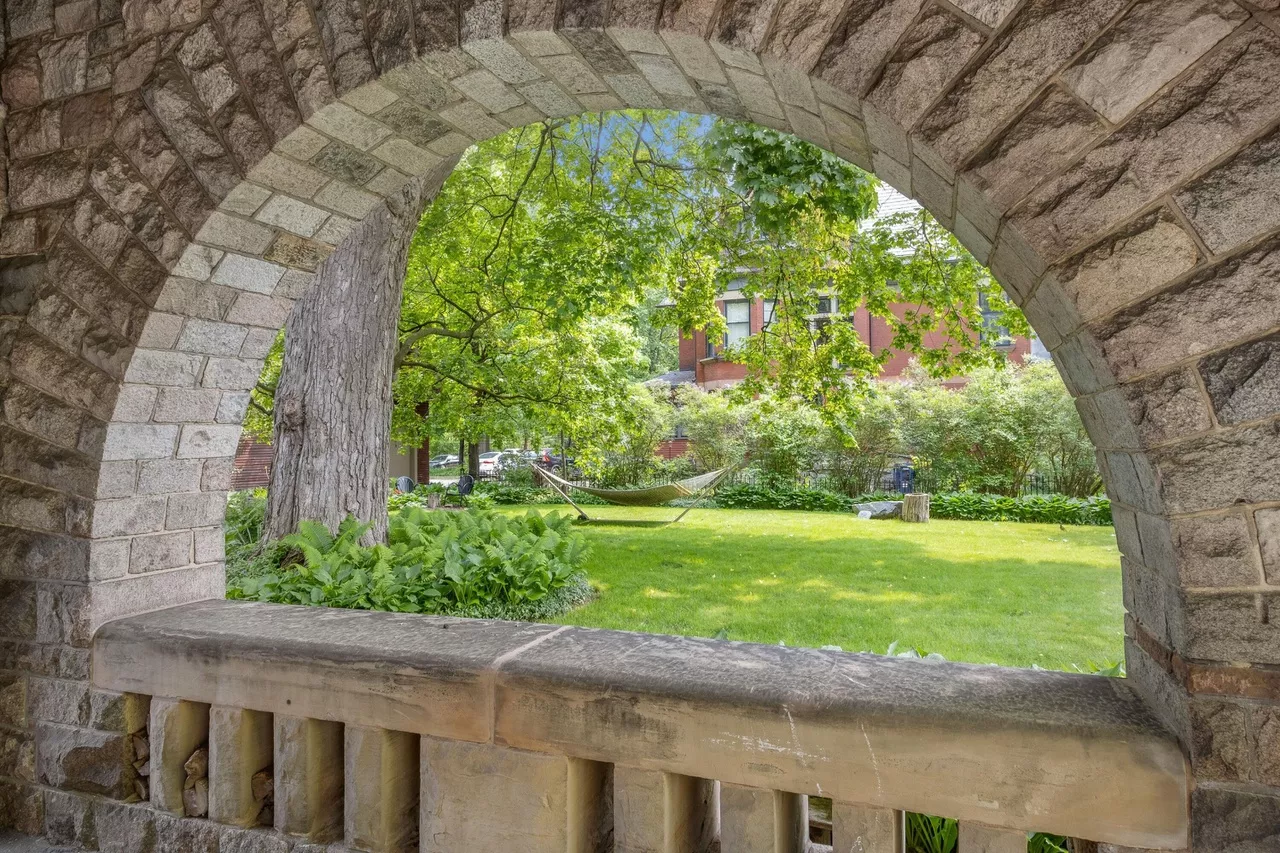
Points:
[736,284]
[737,316]
[991,329]
[826,305]
[769,312]
[710,351]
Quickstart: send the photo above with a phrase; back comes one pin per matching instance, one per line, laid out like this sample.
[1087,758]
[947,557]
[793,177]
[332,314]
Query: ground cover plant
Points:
[476,563]
[1015,594]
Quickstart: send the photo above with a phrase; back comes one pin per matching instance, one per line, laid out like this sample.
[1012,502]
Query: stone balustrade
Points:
[388,732]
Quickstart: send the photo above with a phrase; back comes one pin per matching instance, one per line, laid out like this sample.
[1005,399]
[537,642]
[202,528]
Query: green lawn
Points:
[985,592]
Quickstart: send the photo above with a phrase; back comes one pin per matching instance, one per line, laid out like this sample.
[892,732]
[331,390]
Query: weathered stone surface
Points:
[1148,47]
[342,33]
[87,760]
[980,838]
[1189,319]
[308,777]
[1215,551]
[176,730]
[754,820]
[880,509]
[1145,256]
[1041,38]
[458,779]
[414,123]
[990,12]
[865,37]
[246,137]
[1231,626]
[1219,749]
[381,783]
[931,52]
[744,23]
[1043,140]
[856,829]
[1265,723]
[1226,99]
[1268,522]
[1221,469]
[46,180]
[1167,407]
[239,746]
[799,31]
[175,106]
[1240,199]
[1234,820]
[1244,382]
[162,551]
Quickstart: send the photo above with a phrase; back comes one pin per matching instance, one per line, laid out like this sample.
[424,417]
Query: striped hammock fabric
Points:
[648,496]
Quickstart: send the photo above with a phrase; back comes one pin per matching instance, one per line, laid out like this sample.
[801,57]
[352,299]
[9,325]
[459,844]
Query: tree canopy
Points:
[535,278]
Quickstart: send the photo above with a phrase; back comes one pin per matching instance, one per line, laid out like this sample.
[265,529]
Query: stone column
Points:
[656,812]
[485,797]
[308,778]
[753,820]
[381,786]
[866,829]
[239,747]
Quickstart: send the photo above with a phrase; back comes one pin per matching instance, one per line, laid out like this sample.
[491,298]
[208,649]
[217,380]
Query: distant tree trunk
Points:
[333,403]
[473,459]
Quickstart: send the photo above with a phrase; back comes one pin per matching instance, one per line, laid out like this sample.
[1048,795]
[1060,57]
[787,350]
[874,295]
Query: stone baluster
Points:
[380,775]
[308,777]
[755,820]
[976,838]
[177,729]
[868,829]
[657,812]
[239,747]
[479,796]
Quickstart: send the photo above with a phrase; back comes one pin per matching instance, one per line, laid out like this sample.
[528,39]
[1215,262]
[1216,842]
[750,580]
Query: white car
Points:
[489,461]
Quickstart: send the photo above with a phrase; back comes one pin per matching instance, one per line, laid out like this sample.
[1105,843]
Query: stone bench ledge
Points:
[1072,754]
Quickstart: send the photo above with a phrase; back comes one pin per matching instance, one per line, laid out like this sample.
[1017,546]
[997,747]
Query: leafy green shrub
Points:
[767,495]
[505,494]
[434,562]
[929,834]
[418,497]
[1046,509]
[245,513]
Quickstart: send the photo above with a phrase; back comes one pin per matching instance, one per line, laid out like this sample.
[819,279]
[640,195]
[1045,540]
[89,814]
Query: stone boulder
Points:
[880,509]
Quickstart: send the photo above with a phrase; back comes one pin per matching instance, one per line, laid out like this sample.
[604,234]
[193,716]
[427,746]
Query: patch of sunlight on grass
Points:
[650,592]
[815,583]
[767,582]
[748,598]
[895,597]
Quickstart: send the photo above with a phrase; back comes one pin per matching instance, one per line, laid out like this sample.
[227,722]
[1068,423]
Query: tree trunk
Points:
[473,459]
[333,403]
[915,507]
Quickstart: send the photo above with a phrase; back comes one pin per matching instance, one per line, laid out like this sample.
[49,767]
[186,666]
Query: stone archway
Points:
[176,171]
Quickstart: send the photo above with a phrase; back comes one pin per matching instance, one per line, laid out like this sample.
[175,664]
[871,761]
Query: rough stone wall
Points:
[1114,161]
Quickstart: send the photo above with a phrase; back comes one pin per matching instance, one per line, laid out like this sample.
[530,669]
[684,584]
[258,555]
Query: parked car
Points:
[489,461]
[444,460]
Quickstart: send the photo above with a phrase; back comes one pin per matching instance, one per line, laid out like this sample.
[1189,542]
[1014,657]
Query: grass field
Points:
[984,592]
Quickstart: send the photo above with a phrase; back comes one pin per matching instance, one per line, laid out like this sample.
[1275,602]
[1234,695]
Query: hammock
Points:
[649,496]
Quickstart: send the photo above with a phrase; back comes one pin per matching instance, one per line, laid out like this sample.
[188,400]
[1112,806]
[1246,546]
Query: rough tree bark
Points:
[332,407]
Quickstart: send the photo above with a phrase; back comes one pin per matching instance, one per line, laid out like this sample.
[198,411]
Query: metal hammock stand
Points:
[648,496]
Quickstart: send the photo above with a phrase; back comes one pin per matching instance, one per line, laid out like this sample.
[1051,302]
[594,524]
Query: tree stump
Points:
[915,507]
